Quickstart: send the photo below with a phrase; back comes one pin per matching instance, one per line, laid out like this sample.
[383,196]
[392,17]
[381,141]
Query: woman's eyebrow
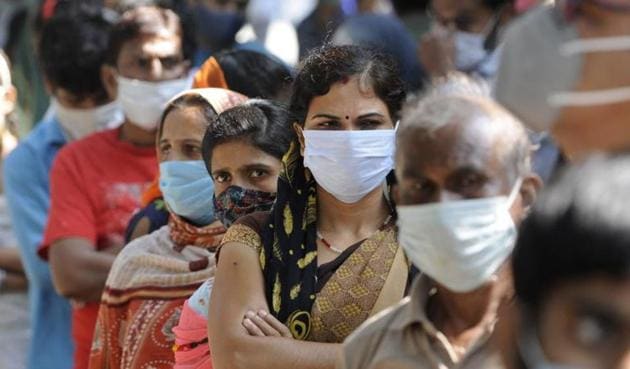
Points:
[369,115]
[324,115]
[219,171]
[256,166]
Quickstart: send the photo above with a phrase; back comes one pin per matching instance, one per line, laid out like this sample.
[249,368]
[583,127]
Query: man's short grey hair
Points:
[459,98]
[436,107]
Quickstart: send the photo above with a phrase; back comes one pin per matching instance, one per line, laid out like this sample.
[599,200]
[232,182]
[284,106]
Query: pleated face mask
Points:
[188,190]
[349,164]
[459,244]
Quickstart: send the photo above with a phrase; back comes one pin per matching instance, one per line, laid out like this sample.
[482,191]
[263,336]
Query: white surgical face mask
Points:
[143,101]
[471,55]
[469,50]
[459,244]
[79,123]
[349,164]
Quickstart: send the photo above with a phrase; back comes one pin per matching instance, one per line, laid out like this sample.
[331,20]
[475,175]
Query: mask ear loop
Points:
[595,45]
[515,191]
[590,98]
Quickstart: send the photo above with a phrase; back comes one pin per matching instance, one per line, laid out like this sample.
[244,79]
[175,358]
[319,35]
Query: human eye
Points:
[595,329]
[328,125]
[221,177]
[143,62]
[170,62]
[165,149]
[192,149]
[422,188]
[258,173]
[370,124]
[469,183]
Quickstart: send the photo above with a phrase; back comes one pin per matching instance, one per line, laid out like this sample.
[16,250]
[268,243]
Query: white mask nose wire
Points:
[515,191]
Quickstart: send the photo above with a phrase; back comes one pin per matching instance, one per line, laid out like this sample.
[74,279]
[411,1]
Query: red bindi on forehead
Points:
[345,80]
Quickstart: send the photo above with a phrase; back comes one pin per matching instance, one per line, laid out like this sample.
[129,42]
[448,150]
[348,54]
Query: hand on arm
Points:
[263,324]
[234,344]
[78,269]
[12,277]
[10,260]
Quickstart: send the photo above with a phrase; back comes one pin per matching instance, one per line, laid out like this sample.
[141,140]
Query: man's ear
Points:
[9,100]
[299,132]
[529,192]
[108,77]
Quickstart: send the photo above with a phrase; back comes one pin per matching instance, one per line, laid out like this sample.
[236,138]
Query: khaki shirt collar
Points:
[414,313]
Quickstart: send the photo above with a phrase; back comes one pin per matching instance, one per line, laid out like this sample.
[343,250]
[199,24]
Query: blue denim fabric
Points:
[27,186]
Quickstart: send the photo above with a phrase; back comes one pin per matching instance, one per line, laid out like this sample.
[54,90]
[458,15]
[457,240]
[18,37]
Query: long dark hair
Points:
[331,64]
[262,123]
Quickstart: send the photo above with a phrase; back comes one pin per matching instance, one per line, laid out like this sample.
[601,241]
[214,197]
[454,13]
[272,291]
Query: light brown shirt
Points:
[402,337]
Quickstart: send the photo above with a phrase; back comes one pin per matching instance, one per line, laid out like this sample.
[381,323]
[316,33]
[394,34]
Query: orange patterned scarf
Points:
[185,234]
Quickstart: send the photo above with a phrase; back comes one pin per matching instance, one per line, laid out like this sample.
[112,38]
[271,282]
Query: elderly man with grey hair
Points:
[464,182]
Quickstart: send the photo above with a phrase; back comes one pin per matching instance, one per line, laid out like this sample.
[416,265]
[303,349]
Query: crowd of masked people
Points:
[458,200]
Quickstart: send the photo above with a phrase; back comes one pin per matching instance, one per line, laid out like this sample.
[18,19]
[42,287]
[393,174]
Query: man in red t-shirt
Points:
[96,182]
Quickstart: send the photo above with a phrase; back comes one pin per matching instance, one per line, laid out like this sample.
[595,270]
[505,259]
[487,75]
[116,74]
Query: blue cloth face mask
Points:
[188,190]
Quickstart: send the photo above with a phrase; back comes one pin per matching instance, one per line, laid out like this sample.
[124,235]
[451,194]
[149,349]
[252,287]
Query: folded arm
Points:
[78,269]
[239,289]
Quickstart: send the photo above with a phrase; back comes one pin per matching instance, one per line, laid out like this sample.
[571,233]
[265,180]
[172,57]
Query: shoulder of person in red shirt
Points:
[95,186]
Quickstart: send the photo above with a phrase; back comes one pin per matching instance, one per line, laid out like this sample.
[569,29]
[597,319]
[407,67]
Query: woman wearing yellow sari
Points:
[292,283]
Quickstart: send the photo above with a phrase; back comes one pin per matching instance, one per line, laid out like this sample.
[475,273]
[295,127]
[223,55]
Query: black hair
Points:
[406,6]
[72,49]
[388,35]
[146,20]
[331,64]
[254,74]
[188,101]
[189,44]
[264,124]
[496,5]
[580,228]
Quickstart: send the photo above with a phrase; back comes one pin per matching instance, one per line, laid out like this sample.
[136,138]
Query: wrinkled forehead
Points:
[475,144]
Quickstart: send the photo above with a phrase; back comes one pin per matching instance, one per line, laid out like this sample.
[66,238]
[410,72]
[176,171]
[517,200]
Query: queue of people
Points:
[356,211]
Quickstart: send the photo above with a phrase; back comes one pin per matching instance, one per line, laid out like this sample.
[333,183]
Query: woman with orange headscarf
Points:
[153,276]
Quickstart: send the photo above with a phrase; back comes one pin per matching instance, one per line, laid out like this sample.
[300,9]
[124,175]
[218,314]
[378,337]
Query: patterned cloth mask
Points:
[236,202]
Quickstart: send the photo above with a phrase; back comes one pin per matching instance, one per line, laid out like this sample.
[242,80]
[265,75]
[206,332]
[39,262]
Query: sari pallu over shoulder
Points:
[370,280]
[144,294]
[288,258]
